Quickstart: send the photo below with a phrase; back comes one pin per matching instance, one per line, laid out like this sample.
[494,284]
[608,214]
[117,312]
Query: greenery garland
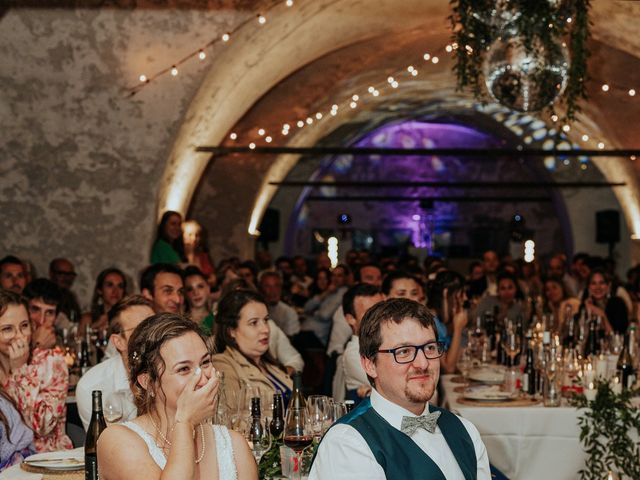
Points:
[540,24]
[606,433]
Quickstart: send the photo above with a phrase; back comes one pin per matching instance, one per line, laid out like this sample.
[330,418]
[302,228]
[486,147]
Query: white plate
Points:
[59,461]
[486,393]
[491,375]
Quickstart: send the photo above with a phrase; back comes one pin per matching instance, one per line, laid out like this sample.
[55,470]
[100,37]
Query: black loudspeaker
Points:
[607,226]
[270,226]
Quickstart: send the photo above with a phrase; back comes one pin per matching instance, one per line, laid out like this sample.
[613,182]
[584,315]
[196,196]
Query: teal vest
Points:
[400,457]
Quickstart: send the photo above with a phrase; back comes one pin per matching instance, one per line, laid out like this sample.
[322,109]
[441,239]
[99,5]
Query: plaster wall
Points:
[80,160]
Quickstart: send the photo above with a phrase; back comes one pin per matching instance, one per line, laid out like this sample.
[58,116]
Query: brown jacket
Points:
[238,370]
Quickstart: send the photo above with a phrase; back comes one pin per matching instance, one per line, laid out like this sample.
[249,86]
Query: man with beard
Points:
[398,434]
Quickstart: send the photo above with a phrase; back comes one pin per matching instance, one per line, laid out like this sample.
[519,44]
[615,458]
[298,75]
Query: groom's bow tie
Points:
[427,421]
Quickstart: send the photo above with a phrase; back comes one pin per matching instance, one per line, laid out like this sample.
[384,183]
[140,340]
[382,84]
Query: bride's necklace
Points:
[167,442]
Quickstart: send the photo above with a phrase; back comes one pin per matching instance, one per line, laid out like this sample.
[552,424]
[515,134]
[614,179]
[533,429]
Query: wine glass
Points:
[464,365]
[260,440]
[113,407]
[318,409]
[511,344]
[297,435]
[336,411]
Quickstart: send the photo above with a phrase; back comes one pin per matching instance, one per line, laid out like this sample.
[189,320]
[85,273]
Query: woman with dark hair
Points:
[598,301]
[35,379]
[558,302]
[242,335]
[16,439]
[168,247]
[508,302]
[174,386]
[110,288]
[447,299]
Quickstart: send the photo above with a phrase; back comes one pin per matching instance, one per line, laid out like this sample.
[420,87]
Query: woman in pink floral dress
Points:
[36,380]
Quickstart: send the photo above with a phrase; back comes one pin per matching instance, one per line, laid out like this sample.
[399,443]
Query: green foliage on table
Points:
[607,426]
[269,466]
[541,24]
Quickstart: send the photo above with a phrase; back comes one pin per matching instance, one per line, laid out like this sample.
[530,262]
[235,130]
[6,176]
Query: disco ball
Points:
[497,13]
[517,80]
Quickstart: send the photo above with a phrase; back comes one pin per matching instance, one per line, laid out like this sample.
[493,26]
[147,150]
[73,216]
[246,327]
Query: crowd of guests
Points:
[254,321]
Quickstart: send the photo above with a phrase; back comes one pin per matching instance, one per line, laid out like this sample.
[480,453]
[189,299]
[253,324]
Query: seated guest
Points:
[35,379]
[199,299]
[12,274]
[168,247]
[43,298]
[16,439]
[111,375]
[242,337]
[281,313]
[398,433]
[447,300]
[355,303]
[63,274]
[599,301]
[400,284]
[509,301]
[163,284]
[341,331]
[319,310]
[557,302]
[174,386]
[110,288]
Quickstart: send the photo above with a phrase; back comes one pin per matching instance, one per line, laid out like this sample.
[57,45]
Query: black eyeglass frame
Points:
[439,349]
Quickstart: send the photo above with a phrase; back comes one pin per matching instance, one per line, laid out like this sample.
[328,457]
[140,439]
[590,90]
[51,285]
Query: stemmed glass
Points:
[318,412]
[298,435]
[511,343]
[464,365]
[113,407]
[336,411]
[260,440]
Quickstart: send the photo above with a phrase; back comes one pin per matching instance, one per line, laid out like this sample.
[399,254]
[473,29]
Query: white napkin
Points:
[17,473]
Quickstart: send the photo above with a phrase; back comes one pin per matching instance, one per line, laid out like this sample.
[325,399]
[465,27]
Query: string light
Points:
[268,139]
[566,128]
[319,116]
[355,98]
[426,57]
[202,55]
[585,138]
[632,93]
[353,104]
[252,146]
[261,132]
[394,84]
[600,145]
[174,71]
[233,135]
[309,120]
[300,124]
[289,3]
[449,48]
[554,118]
[143,78]
[605,88]
[435,60]
[226,37]
[262,20]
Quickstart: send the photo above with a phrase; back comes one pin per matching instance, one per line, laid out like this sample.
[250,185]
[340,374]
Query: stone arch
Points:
[258,59]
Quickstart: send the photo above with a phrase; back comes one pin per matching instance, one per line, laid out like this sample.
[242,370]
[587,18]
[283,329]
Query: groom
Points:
[398,435]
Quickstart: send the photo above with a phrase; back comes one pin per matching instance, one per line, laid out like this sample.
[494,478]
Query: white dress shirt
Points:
[281,349]
[109,376]
[286,318]
[344,453]
[354,374]
[341,332]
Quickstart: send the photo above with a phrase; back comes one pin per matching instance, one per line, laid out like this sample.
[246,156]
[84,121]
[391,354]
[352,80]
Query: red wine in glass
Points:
[298,443]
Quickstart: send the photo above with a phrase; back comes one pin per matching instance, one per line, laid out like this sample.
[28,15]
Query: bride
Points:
[174,385]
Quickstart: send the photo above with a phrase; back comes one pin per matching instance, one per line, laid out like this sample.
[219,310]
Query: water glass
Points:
[318,414]
[113,407]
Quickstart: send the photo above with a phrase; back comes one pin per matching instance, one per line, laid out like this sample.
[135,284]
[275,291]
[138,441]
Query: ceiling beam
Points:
[435,184]
[426,200]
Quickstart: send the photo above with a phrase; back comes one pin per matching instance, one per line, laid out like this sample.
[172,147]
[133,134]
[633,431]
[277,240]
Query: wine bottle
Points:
[529,373]
[277,421]
[591,346]
[85,363]
[626,370]
[297,398]
[96,426]
[255,430]
[490,327]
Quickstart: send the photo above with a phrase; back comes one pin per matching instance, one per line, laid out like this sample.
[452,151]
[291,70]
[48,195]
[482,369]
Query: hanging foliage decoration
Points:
[544,29]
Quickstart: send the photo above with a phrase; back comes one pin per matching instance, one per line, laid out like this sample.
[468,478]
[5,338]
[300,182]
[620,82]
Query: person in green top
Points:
[168,246]
[199,299]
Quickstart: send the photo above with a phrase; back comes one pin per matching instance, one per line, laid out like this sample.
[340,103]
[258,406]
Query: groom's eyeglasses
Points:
[408,353]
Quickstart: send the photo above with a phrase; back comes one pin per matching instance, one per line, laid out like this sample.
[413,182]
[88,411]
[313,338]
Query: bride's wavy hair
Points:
[144,355]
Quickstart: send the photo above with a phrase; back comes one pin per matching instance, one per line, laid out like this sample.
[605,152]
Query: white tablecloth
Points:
[525,443]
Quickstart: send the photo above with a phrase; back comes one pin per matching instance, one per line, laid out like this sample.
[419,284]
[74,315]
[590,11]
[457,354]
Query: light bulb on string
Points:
[174,71]
[566,128]
[353,104]
[261,132]
[142,78]
[202,55]
[233,135]
[435,60]
[300,124]
[414,73]
[601,145]
[632,93]
[309,120]
[585,138]
[426,57]
[268,139]
[410,68]
[394,84]
[252,145]
[261,19]
[554,118]
[289,3]
[319,116]
[286,126]
[226,37]
[605,88]
[355,98]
